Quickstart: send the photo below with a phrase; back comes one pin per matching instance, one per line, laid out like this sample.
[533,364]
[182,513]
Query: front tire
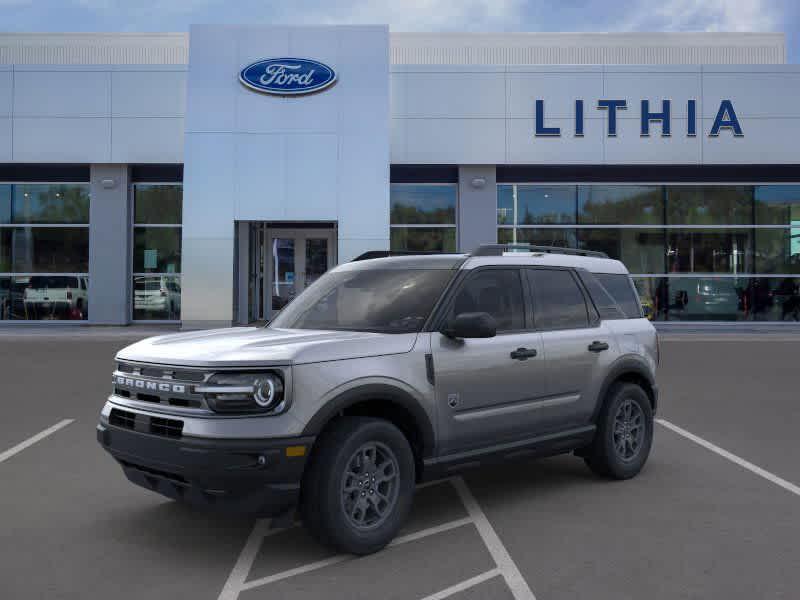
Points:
[624,433]
[358,489]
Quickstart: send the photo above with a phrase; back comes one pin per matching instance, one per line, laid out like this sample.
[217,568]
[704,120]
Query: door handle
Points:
[598,346]
[523,353]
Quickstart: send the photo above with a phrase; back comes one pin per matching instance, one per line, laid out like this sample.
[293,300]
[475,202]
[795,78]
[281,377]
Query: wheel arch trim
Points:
[379,392]
[627,365]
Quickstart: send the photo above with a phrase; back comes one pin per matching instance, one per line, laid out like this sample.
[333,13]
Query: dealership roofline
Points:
[449,48]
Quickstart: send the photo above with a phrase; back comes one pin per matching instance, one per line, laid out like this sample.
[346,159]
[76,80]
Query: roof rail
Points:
[500,249]
[386,253]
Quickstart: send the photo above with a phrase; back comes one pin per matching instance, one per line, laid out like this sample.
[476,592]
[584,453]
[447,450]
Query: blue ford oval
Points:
[287,76]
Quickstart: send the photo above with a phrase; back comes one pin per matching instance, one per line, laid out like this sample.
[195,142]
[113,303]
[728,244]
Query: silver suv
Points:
[387,372]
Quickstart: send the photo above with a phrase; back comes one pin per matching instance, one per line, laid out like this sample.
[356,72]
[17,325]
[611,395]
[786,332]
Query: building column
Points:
[477,207]
[208,232]
[242,272]
[109,245]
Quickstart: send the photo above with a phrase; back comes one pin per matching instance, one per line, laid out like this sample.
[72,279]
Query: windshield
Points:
[380,300]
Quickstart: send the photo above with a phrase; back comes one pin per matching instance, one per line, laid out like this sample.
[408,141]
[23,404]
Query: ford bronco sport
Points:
[387,372]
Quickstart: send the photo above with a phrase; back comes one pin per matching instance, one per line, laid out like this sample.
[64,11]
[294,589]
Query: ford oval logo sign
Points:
[287,76]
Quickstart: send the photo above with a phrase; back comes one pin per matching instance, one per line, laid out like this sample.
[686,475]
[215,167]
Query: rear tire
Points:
[358,489]
[624,433]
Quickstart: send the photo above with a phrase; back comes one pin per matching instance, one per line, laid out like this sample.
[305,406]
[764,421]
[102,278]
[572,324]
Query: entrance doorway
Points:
[283,261]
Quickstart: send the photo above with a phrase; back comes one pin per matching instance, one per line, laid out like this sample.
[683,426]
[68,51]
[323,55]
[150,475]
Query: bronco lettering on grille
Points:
[144,384]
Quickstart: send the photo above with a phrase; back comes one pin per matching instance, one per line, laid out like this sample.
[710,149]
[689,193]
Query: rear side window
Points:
[558,301]
[606,305]
[621,289]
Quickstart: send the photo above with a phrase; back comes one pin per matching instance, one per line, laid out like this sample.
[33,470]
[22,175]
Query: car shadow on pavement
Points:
[533,475]
[168,526]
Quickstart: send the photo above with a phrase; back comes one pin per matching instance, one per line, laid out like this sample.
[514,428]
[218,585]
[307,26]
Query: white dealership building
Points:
[207,177]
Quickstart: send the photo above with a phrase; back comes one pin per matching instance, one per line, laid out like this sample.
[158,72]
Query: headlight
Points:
[267,391]
[244,393]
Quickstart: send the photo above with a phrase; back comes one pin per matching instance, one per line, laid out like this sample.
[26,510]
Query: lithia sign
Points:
[725,120]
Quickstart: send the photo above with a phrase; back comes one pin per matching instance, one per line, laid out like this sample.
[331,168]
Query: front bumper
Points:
[243,476]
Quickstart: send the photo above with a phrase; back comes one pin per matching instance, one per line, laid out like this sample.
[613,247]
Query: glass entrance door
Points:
[294,259]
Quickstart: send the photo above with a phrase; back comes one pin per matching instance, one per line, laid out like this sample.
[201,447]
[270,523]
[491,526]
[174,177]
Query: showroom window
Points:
[612,204]
[423,216]
[44,251]
[156,286]
[696,252]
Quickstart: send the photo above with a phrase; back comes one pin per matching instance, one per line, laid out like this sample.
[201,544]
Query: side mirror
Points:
[471,325]
[647,310]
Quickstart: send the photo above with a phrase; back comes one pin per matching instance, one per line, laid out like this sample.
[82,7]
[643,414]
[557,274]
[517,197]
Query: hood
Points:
[257,346]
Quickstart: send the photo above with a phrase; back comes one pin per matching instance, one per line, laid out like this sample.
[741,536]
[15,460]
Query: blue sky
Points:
[414,15]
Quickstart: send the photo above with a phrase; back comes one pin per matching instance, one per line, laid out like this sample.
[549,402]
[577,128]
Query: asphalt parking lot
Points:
[715,513]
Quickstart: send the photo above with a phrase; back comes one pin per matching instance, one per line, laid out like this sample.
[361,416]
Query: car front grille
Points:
[160,385]
[167,427]
[155,399]
[162,372]
[122,418]
[171,428]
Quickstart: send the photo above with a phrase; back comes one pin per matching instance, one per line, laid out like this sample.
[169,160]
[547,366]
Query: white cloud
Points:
[705,15]
[416,15]
[401,15]
[435,15]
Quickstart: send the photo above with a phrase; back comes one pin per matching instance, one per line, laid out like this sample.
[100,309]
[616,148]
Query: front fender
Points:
[393,391]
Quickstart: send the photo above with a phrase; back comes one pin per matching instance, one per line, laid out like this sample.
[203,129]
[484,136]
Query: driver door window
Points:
[494,291]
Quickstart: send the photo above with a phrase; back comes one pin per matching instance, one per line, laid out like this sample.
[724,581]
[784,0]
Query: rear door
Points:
[578,347]
[487,389]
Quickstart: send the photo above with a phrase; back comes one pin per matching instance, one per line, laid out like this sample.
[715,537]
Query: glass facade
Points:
[156,286]
[44,251]
[423,216]
[696,252]
[613,204]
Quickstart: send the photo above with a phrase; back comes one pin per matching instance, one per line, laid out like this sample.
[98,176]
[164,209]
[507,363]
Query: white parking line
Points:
[333,560]
[237,580]
[771,477]
[423,533]
[315,566]
[427,484]
[464,585]
[240,571]
[505,564]
[33,439]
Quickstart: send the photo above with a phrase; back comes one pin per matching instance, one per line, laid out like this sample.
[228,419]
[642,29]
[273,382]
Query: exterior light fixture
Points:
[478,182]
